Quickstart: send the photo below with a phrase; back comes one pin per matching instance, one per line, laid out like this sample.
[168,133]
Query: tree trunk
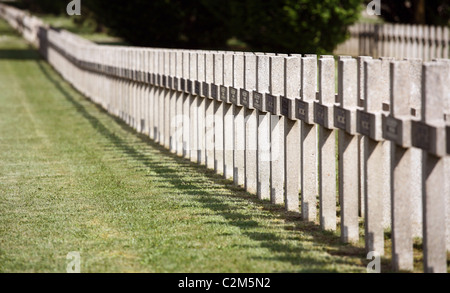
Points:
[419,11]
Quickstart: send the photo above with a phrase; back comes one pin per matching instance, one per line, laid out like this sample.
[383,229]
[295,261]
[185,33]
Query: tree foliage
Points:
[303,26]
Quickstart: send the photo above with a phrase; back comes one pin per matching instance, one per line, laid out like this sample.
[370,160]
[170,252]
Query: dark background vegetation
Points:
[302,26]
[431,12]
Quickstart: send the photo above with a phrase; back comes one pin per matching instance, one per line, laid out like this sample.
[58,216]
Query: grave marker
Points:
[218,115]
[228,116]
[167,98]
[309,139]
[201,109]
[277,75]
[186,106]
[435,88]
[172,103]
[397,128]
[239,121]
[327,143]
[151,97]
[209,111]
[179,104]
[348,149]
[263,154]
[292,134]
[373,156]
[193,116]
[251,123]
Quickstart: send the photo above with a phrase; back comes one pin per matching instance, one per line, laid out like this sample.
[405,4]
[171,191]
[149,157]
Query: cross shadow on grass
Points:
[15,54]
[281,249]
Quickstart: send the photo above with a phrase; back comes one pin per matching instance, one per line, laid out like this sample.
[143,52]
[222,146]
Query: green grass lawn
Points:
[73,178]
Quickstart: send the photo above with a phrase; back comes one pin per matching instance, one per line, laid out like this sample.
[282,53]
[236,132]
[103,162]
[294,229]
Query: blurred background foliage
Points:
[294,26]
[430,12]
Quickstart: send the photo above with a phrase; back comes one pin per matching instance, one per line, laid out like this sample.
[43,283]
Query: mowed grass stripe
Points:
[73,178]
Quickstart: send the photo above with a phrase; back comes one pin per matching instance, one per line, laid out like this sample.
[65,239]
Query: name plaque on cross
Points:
[448,139]
[421,135]
[197,88]
[214,91]
[233,95]
[302,110]
[364,123]
[189,86]
[149,78]
[224,93]
[270,103]
[339,118]
[319,116]
[392,128]
[285,106]
[205,89]
[175,83]
[183,85]
[245,96]
[258,101]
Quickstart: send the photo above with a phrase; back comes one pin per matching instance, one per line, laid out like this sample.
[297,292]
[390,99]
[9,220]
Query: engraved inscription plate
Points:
[149,78]
[285,106]
[214,91]
[223,93]
[391,128]
[339,118]
[197,88]
[189,86]
[270,103]
[175,83]
[319,116]
[205,89]
[258,101]
[421,136]
[183,85]
[364,123]
[301,110]
[233,95]
[448,139]
[245,98]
